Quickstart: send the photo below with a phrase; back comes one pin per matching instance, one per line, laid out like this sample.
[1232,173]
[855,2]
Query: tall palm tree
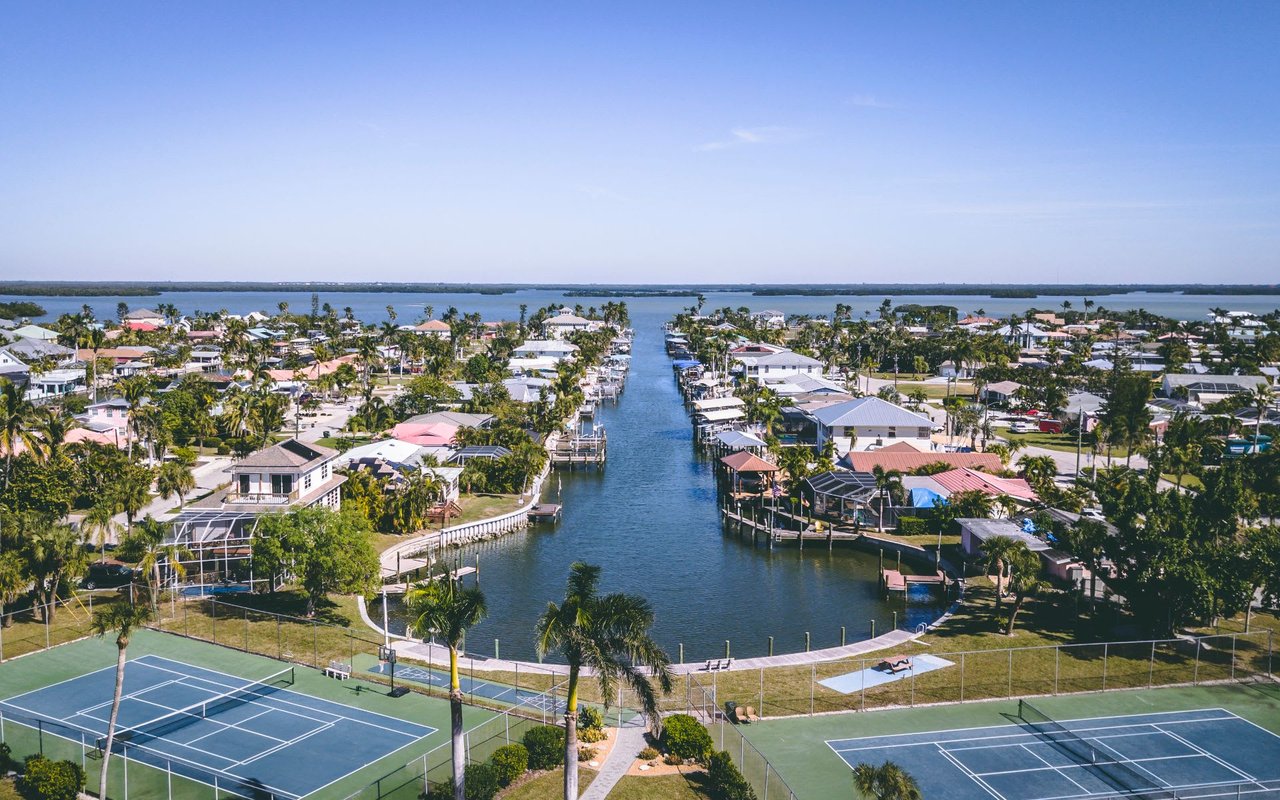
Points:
[609,635]
[16,419]
[94,339]
[885,482]
[444,609]
[1260,398]
[174,477]
[52,424]
[14,582]
[1024,579]
[996,553]
[135,391]
[885,782]
[121,619]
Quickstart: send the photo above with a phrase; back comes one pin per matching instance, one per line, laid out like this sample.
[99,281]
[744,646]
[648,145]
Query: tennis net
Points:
[174,720]
[1103,763]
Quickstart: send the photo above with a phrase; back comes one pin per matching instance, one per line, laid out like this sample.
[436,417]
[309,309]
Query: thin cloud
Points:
[770,134]
[600,192]
[1054,208]
[869,101]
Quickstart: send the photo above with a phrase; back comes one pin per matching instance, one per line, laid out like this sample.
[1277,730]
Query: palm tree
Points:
[174,477]
[445,609]
[996,553]
[1260,397]
[52,426]
[14,582]
[121,619]
[135,391]
[1024,579]
[609,635]
[16,418]
[157,553]
[885,482]
[100,519]
[95,338]
[885,782]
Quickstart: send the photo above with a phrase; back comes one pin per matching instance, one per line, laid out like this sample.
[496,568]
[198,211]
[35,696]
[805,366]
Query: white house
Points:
[770,318]
[1204,390]
[546,348]
[144,316]
[566,323]
[868,423]
[785,362]
[432,327]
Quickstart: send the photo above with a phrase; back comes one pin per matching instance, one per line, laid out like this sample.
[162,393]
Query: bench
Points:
[717,664]
[338,669]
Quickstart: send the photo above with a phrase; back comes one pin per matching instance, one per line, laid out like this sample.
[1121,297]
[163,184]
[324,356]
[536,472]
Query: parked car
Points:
[108,574]
[1024,427]
[1093,513]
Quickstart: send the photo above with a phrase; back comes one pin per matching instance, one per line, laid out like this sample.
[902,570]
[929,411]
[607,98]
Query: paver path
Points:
[624,753]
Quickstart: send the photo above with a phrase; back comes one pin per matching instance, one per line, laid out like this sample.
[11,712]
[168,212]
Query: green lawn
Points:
[547,786]
[1062,442]
[661,787]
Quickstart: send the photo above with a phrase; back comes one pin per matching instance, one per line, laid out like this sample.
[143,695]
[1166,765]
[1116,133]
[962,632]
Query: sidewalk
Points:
[624,753]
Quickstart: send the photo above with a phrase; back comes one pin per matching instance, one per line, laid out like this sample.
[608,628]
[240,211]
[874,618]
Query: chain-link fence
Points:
[37,627]
[762,776]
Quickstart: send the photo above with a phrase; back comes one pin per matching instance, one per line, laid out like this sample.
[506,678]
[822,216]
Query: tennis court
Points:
[255,738]
[1180,754]
[497,692]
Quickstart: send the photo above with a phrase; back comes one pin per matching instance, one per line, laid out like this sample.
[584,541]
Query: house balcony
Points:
[261,498]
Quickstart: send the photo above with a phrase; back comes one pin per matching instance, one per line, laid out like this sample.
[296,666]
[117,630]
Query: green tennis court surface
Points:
[1193,742]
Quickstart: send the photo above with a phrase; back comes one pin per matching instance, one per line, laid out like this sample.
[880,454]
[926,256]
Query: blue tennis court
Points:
[497,692]
[1182,754]
[256,739]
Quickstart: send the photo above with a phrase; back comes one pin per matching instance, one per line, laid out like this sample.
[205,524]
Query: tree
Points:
[1024,579]
[1038,470]
[886,481]
[446,610]
[132,490]
[608,635]
[324,550]
[16,419]
[1260,399]
[174,477]
[996,554]
[120,618]
[1086,540]
[53,554]
[13,583]
[885,782]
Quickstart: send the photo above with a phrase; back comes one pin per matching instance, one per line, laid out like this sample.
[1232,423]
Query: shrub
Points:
[672,759]
[224,449]
[439,791]
[586,753]
[592,735]
[589,719]
[685,737]
[510,761]
[545,745]
[481,781]
[52,780]
[909,526]
[724,781]
[6,758]
[648,754]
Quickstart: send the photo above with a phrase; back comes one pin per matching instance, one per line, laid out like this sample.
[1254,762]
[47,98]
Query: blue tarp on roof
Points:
[685,363]
[926,498]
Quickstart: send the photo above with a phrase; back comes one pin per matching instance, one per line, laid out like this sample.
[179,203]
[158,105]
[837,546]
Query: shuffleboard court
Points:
[547,702]
[252,738]
[1181,754]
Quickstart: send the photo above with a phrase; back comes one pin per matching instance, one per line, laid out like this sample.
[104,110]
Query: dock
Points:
[401,588]
[546,512]
[892,580]
[580,450]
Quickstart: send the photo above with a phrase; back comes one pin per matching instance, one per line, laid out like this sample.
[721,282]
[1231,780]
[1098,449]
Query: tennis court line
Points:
[970,773]
[1209,755]
[284,744]
[1051,766]
[304,705]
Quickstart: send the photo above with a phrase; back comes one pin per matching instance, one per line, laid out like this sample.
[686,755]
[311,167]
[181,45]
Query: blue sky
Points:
[660,142]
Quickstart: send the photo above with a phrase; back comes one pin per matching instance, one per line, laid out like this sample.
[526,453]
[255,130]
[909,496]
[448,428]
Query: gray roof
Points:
[1214,383]
[289,453]
[26,349]
[843,484]
[984,529]
[787,358]
[869,412]
[452,417]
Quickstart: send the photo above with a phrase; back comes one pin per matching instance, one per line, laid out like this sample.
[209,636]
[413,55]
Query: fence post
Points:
[813,678]
[1195,674]
[1106,646]
[315,645]
[46,624]
[279,640]
[213,612]
[1057,666]
[246,629]
[761,701]
[1151,672]
[864,680]
[1011,672]
[1233,656]
[1269,651]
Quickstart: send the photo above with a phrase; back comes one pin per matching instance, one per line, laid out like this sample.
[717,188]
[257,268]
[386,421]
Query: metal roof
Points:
[866,412]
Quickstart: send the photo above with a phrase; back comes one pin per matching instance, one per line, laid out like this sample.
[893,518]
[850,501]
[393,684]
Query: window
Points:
[324,472]
[244,484]
[281,484]
[306,481]
[893,433]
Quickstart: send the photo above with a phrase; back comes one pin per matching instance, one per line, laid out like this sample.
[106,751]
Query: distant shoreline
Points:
[998,290]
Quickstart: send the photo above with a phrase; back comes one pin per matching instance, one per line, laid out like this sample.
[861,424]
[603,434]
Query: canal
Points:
[650,520]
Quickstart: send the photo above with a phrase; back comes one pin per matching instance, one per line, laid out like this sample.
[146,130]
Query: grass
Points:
[991,668]
[1064,443]
[71,621]
[9,789]
[936,391]
[547,786]
[685,786]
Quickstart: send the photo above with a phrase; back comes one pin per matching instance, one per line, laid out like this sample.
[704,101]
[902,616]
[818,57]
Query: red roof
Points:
[889,459]
[138,326]
[967,480]
[743,461]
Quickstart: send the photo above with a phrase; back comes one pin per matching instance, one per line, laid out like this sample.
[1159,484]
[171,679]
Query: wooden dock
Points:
[892,580]
[401,588]
[545,512]
[761,528]
[584,450]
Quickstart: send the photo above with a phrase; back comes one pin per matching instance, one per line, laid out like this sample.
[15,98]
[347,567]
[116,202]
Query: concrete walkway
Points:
[624,753]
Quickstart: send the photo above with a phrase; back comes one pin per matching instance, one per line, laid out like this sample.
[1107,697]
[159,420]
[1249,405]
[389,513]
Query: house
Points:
[770,318]
[967,370]
[107,415]
[33,350]
[205,359]
[1025,335]
[1084,404]
[799,383]
[1240,324]
[143,316]
[866,423]
[565,324]
[906,459]
[527,389]
[478,451]
[120,355]
[777,364]
[291,474]
[33,332]
[55,383]
[975,532]
[432,327]
[456,418]
[1001,392]
[554,349]
[1204,390]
